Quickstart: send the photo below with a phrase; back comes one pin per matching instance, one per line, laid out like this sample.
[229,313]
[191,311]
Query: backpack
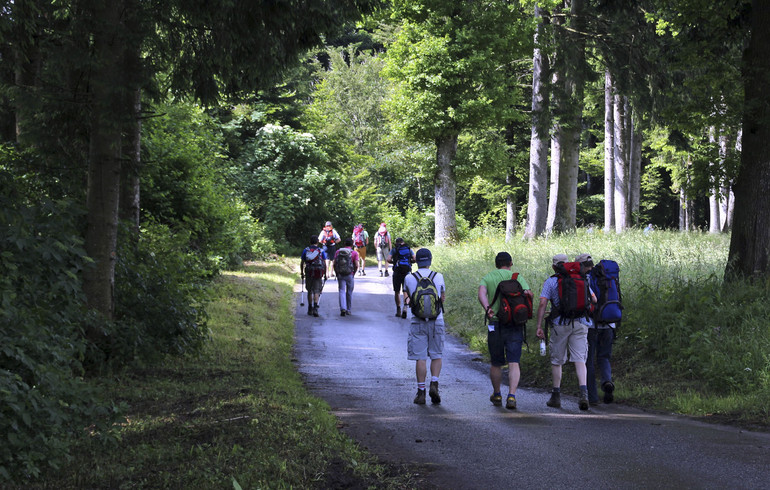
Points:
[574,296]
[514,308]
[343,264]
[604,280]
[314,263]
[384,241]
[425,300]
[328,237]
[358,237]
[402,259]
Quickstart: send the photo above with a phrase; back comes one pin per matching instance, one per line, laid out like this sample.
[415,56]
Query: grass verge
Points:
[236,416]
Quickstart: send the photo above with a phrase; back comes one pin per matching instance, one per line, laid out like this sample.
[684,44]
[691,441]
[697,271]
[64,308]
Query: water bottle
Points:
[542,347]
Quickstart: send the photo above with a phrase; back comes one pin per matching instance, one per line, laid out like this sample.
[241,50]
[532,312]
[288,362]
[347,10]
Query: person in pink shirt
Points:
[345,266]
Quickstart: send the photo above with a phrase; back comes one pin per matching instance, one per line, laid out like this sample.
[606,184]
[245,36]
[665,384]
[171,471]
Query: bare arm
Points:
[540,315]
[484,301]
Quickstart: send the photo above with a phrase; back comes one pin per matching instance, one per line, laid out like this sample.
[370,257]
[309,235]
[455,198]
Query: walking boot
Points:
[420,398]
[398,312]
[309,309]
[555,400]
[434,396]
[315,310]
[583,400]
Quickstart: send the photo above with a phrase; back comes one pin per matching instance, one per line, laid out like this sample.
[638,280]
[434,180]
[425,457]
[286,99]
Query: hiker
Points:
[601,334]
[426,330]
[329,238]
[504,338]
[382,245]
[313,270]
[568,322]
[345,264]
[402,257]
[361,241]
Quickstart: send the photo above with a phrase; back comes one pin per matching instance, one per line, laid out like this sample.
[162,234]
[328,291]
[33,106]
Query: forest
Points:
[146,146]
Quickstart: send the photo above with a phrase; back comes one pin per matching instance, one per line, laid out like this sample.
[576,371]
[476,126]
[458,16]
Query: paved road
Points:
[358,365]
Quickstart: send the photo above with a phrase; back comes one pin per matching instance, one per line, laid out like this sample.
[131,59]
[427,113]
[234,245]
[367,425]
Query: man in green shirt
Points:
[503,340]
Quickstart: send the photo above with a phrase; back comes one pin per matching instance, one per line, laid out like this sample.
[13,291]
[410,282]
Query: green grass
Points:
[236,413]
[688,343]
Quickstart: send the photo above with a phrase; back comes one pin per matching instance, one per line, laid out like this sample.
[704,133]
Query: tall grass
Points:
[684,331]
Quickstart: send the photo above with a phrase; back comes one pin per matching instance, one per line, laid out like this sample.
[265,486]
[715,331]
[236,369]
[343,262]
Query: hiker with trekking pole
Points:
[313,270]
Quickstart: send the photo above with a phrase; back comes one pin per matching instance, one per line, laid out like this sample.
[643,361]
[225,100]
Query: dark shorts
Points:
[505,345]
[398,280]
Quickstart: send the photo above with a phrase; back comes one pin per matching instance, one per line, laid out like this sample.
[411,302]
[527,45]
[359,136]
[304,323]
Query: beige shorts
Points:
[361,252]
[572,339]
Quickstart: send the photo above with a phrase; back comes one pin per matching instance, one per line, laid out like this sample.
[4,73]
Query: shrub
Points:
[44,403]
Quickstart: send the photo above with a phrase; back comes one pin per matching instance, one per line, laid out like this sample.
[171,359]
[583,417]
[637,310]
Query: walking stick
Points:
[302,297]
[322,290]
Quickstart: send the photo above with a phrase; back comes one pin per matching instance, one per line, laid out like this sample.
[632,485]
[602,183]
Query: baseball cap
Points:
[328,223]
[424,257]
[583,258]
[560,258]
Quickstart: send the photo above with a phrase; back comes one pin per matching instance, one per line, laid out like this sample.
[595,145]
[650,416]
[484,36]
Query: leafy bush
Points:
[418,228]
[44,404]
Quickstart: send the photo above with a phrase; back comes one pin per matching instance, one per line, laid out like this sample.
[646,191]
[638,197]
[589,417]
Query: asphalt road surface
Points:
[358,365]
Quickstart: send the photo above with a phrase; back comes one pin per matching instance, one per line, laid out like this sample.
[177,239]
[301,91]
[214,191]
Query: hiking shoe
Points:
[420,398]
[496,399]
[555,400]
[386,273]
[348,312]
[363,272]
[434,396]
[403,313]
[593,403]
[583,401]
[380,273]
[309,310]
[342,312]
[510,402]
[398,312]
[608,387]
[315,311]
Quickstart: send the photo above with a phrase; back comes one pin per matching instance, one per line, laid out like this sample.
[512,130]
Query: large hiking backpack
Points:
[328,237]
[314,263]
[605,283]
[384,240]
[343,264]
[358,237]
[403,259]
[574,296]
[514,308]
[425,300]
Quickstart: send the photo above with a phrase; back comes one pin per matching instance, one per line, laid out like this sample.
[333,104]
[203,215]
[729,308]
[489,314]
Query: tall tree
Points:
[749,254]
[453,62]
[609,153]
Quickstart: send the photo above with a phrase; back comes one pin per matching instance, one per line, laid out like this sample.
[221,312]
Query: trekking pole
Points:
[322,291]
[302,297]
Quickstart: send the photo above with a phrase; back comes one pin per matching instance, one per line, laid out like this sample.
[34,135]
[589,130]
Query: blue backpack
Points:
[606,285]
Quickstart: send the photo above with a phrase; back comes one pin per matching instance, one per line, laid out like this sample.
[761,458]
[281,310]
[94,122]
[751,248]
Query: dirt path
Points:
[358,365]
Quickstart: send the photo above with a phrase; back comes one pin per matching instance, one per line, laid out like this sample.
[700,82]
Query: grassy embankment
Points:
[687,344]
[236,416]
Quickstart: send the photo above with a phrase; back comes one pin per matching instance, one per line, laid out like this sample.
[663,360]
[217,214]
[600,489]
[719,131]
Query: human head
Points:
[399,241]
[503,259]
[424,258]
[314,240]
[585,260]
[328,224]
[348,242]
[559,259]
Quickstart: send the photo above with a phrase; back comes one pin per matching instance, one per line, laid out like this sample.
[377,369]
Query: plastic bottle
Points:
[542,347]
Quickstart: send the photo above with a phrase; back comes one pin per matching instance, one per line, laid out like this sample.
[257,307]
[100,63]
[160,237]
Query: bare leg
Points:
[514,374]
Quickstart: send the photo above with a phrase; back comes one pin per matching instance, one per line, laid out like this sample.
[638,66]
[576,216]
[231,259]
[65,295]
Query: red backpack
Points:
[574,295]
[515,308]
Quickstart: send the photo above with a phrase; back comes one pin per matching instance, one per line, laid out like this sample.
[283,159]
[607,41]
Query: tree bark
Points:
[715,221]
[635,170]
[510,210]
[130,193]
[106,118]
[749,254]
[609,153]
[445,192]
[537,209]
[621,165]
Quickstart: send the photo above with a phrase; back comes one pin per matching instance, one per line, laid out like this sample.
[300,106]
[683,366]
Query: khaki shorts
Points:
[572,339]
[361,253]
[426,339]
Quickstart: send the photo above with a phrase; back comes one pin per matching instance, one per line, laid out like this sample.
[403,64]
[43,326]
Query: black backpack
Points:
[343,264]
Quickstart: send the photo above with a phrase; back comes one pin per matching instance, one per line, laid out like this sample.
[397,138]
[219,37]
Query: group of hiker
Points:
[584,310]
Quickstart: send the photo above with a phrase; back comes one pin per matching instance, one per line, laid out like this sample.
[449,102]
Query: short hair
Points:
[399,241]
[503,259]
[348,242]
[314,240]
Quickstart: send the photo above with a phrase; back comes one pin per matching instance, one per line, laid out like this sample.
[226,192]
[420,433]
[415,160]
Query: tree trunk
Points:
[130,193]
[554,182]
[715,222]
[749,254]
[510,210]
[609,153]
[446,221]
[635,170]
[537,209]
[107,115]
[621,165]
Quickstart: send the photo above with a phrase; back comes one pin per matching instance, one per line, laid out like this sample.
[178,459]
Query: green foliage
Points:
[44,403]
[286,180]
[184,187]
[160,297]
[417,227]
